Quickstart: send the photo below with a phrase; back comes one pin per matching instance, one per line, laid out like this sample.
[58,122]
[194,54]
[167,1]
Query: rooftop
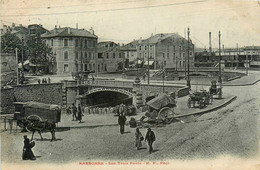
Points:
[68,32]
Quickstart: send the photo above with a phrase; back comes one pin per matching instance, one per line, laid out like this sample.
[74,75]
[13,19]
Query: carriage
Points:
[214,90]
[32,111]
[161,108]
[82,75]
[201,97]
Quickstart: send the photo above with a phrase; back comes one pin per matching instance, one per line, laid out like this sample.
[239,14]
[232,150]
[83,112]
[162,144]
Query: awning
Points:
[139,61]
[150,63]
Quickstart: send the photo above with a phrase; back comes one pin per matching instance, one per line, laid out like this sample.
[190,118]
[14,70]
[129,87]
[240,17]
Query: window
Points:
[66,42]
[114,55]
[163,55]
[76,55]
[89,55]
[86,55]
[66,55]
[151,55]
[86,42]
[94,67]
[86,67]
[168,56]
[151,47]
[105,67]
[66,68]
[190,53]
[51,42]
[120,55]
[140,47]
[145,47]
[173,56]
[90,67]
[164,63]
[76,42]
[107,55]
[98,68]
[174,48]
[140,54]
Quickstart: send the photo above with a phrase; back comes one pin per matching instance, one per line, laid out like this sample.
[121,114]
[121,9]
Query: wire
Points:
[49,7]
[107,10]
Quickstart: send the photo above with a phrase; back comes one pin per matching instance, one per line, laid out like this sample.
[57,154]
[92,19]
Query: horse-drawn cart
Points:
[31,111]
[161,108]
[202,98]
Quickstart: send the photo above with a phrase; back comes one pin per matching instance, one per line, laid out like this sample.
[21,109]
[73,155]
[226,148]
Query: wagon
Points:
[201,98]
[36,111]
[215,90]
[161,108]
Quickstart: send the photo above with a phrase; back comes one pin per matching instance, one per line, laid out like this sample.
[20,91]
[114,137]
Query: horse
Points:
[37,125]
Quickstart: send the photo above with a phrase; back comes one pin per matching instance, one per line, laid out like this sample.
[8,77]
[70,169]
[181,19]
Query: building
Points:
[73,49]
[110,57]
[36,30]
[165,51]
[240,57]
[130,52]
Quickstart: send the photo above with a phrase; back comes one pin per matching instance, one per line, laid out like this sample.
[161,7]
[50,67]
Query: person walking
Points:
[150,138]
[27,149]
[74,112]
[79,113]
[121,122]
[138,139]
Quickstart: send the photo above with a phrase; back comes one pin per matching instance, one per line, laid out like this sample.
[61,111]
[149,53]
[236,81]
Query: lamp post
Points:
[188,79]
[219,60]
[148,78]
[17,74]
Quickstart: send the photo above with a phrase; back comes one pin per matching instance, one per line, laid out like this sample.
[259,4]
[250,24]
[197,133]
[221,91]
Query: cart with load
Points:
[201,98]
[161,108]
[31,111]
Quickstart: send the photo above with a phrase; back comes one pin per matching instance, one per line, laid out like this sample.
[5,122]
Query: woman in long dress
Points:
[138,139]
[27,149]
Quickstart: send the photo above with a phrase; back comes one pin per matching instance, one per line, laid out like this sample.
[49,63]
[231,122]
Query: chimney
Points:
[55,26]
[69,31]
[77,26]
[59,26]
[92,30]
[140,40]
[161,35]
[210,48]
[20,25]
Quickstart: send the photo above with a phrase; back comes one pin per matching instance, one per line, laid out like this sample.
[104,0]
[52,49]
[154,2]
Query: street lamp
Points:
[219,60]
[188,79]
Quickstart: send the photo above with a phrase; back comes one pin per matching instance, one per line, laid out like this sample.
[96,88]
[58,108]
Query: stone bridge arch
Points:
[127,92]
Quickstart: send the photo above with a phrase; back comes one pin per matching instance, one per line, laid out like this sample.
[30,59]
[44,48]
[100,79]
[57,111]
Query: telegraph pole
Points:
[188,80]
[22,53]
[148,78]
[16,55]
[219,60]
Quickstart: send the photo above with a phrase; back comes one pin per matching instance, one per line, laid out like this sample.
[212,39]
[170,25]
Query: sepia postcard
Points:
[130,84]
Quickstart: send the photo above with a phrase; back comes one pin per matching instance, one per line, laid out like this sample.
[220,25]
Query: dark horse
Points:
[37,125]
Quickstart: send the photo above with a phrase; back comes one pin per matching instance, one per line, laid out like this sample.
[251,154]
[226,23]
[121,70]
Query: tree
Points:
[9,42]
[38,51]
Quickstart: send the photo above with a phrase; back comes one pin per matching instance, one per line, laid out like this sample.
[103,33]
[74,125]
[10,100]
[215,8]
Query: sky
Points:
[123,21]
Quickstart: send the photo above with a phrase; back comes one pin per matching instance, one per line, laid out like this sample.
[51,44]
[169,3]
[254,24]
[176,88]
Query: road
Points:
[233,130]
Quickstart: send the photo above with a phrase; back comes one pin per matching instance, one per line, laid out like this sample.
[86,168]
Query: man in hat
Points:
[121,122]
[150,138]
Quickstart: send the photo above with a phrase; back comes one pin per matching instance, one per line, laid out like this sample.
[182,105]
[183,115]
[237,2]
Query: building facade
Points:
[110,57]
[240,57]
[130,52]
[165,51]
[73,49]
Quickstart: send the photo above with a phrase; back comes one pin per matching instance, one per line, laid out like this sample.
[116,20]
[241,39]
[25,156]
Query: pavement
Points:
[110,119]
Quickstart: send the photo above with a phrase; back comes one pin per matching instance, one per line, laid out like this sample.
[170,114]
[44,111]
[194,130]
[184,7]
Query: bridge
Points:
[107,87]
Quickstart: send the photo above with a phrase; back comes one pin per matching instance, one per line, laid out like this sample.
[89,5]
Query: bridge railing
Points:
[113,83]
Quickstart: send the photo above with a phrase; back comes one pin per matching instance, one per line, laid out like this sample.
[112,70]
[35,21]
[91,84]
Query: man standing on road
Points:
[121,122]
[79,113]
[150,137]
[74,111]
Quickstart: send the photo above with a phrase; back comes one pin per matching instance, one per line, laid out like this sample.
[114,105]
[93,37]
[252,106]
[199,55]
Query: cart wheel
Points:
[32,118]
[189,103]
[166,114]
